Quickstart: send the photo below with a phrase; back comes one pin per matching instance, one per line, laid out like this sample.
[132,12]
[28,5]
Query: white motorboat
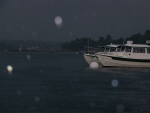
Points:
[90,56]
[93,57]
[126,55]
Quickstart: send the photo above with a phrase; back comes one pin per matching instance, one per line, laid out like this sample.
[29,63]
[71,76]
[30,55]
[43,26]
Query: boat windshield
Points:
[127,49]
[121,49]
[113,49]
[148,50]
[107,49]
[124,49]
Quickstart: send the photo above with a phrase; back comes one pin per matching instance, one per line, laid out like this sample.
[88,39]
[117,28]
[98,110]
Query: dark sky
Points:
[36,19]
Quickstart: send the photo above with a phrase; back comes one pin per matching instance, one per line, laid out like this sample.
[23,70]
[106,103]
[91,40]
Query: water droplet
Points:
[120,108]
[114,83]
[20,49]
[9,69]
[76,17]
[41,71]
[34,34]
[37,99]
[70,33]
[23,27]
[58,21]
[92,104]
[19,92]
[28,57]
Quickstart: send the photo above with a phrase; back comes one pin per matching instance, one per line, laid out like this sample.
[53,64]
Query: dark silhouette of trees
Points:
[108,39]
[101,41]
[119,41]
[79,43]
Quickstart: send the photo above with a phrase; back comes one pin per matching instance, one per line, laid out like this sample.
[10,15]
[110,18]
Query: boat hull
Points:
[92,58]
[114,61]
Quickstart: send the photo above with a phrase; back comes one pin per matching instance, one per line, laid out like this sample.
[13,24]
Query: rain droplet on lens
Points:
[37,99]
[28,57]
[9,69]
[70,33]
[34,34]
[120,108]
[19,92]
[92,104]
[58,21]
[114,83]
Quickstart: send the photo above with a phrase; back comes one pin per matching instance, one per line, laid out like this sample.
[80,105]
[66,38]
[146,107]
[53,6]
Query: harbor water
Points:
[42,82]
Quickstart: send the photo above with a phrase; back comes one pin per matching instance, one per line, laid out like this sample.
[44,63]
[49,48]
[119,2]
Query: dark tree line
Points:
[79,43]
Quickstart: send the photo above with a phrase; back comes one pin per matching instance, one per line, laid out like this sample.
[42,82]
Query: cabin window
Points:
[142,50]
[135,50]
[148,50]
[122,48]
[117,49]
[128,49]
[138,50]
[106,49]
[112,49]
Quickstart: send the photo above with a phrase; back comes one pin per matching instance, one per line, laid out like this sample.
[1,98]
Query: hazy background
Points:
[35,19]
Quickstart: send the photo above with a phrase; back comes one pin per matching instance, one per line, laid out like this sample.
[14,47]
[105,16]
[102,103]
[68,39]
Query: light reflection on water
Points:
[64,83]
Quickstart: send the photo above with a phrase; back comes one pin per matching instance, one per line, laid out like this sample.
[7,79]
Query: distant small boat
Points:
[126,55]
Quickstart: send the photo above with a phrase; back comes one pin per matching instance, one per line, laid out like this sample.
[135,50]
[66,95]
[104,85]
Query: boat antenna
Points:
[124,40]
[88,42]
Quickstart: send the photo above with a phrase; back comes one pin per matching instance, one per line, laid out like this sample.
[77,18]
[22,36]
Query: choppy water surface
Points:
[63,83]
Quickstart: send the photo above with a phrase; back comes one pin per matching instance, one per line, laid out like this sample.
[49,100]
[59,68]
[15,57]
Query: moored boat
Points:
[93,57]
[127,55]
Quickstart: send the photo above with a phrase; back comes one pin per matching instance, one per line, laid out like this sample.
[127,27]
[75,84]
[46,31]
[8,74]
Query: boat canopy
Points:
[112,45]
[134,45]
[137,45]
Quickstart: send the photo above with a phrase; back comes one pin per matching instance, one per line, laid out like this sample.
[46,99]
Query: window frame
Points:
[138,50]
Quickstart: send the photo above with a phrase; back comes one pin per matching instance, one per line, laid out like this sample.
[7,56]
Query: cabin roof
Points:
[112,45]
[137,45]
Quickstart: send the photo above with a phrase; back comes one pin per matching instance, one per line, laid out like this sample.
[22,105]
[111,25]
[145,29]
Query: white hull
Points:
[92,58]
[121,62]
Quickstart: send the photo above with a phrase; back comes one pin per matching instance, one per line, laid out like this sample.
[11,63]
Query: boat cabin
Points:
[134,48]
[128,50]
[137,51]
[110,48]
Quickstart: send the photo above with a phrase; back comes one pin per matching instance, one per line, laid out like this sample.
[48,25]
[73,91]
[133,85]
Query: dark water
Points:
[63,83]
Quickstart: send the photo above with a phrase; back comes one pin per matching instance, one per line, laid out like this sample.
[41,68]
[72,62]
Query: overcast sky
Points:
[63,20]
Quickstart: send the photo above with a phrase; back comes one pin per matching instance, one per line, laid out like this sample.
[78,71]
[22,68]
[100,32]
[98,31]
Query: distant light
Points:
[9,69]
[114,83]
[58,21]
